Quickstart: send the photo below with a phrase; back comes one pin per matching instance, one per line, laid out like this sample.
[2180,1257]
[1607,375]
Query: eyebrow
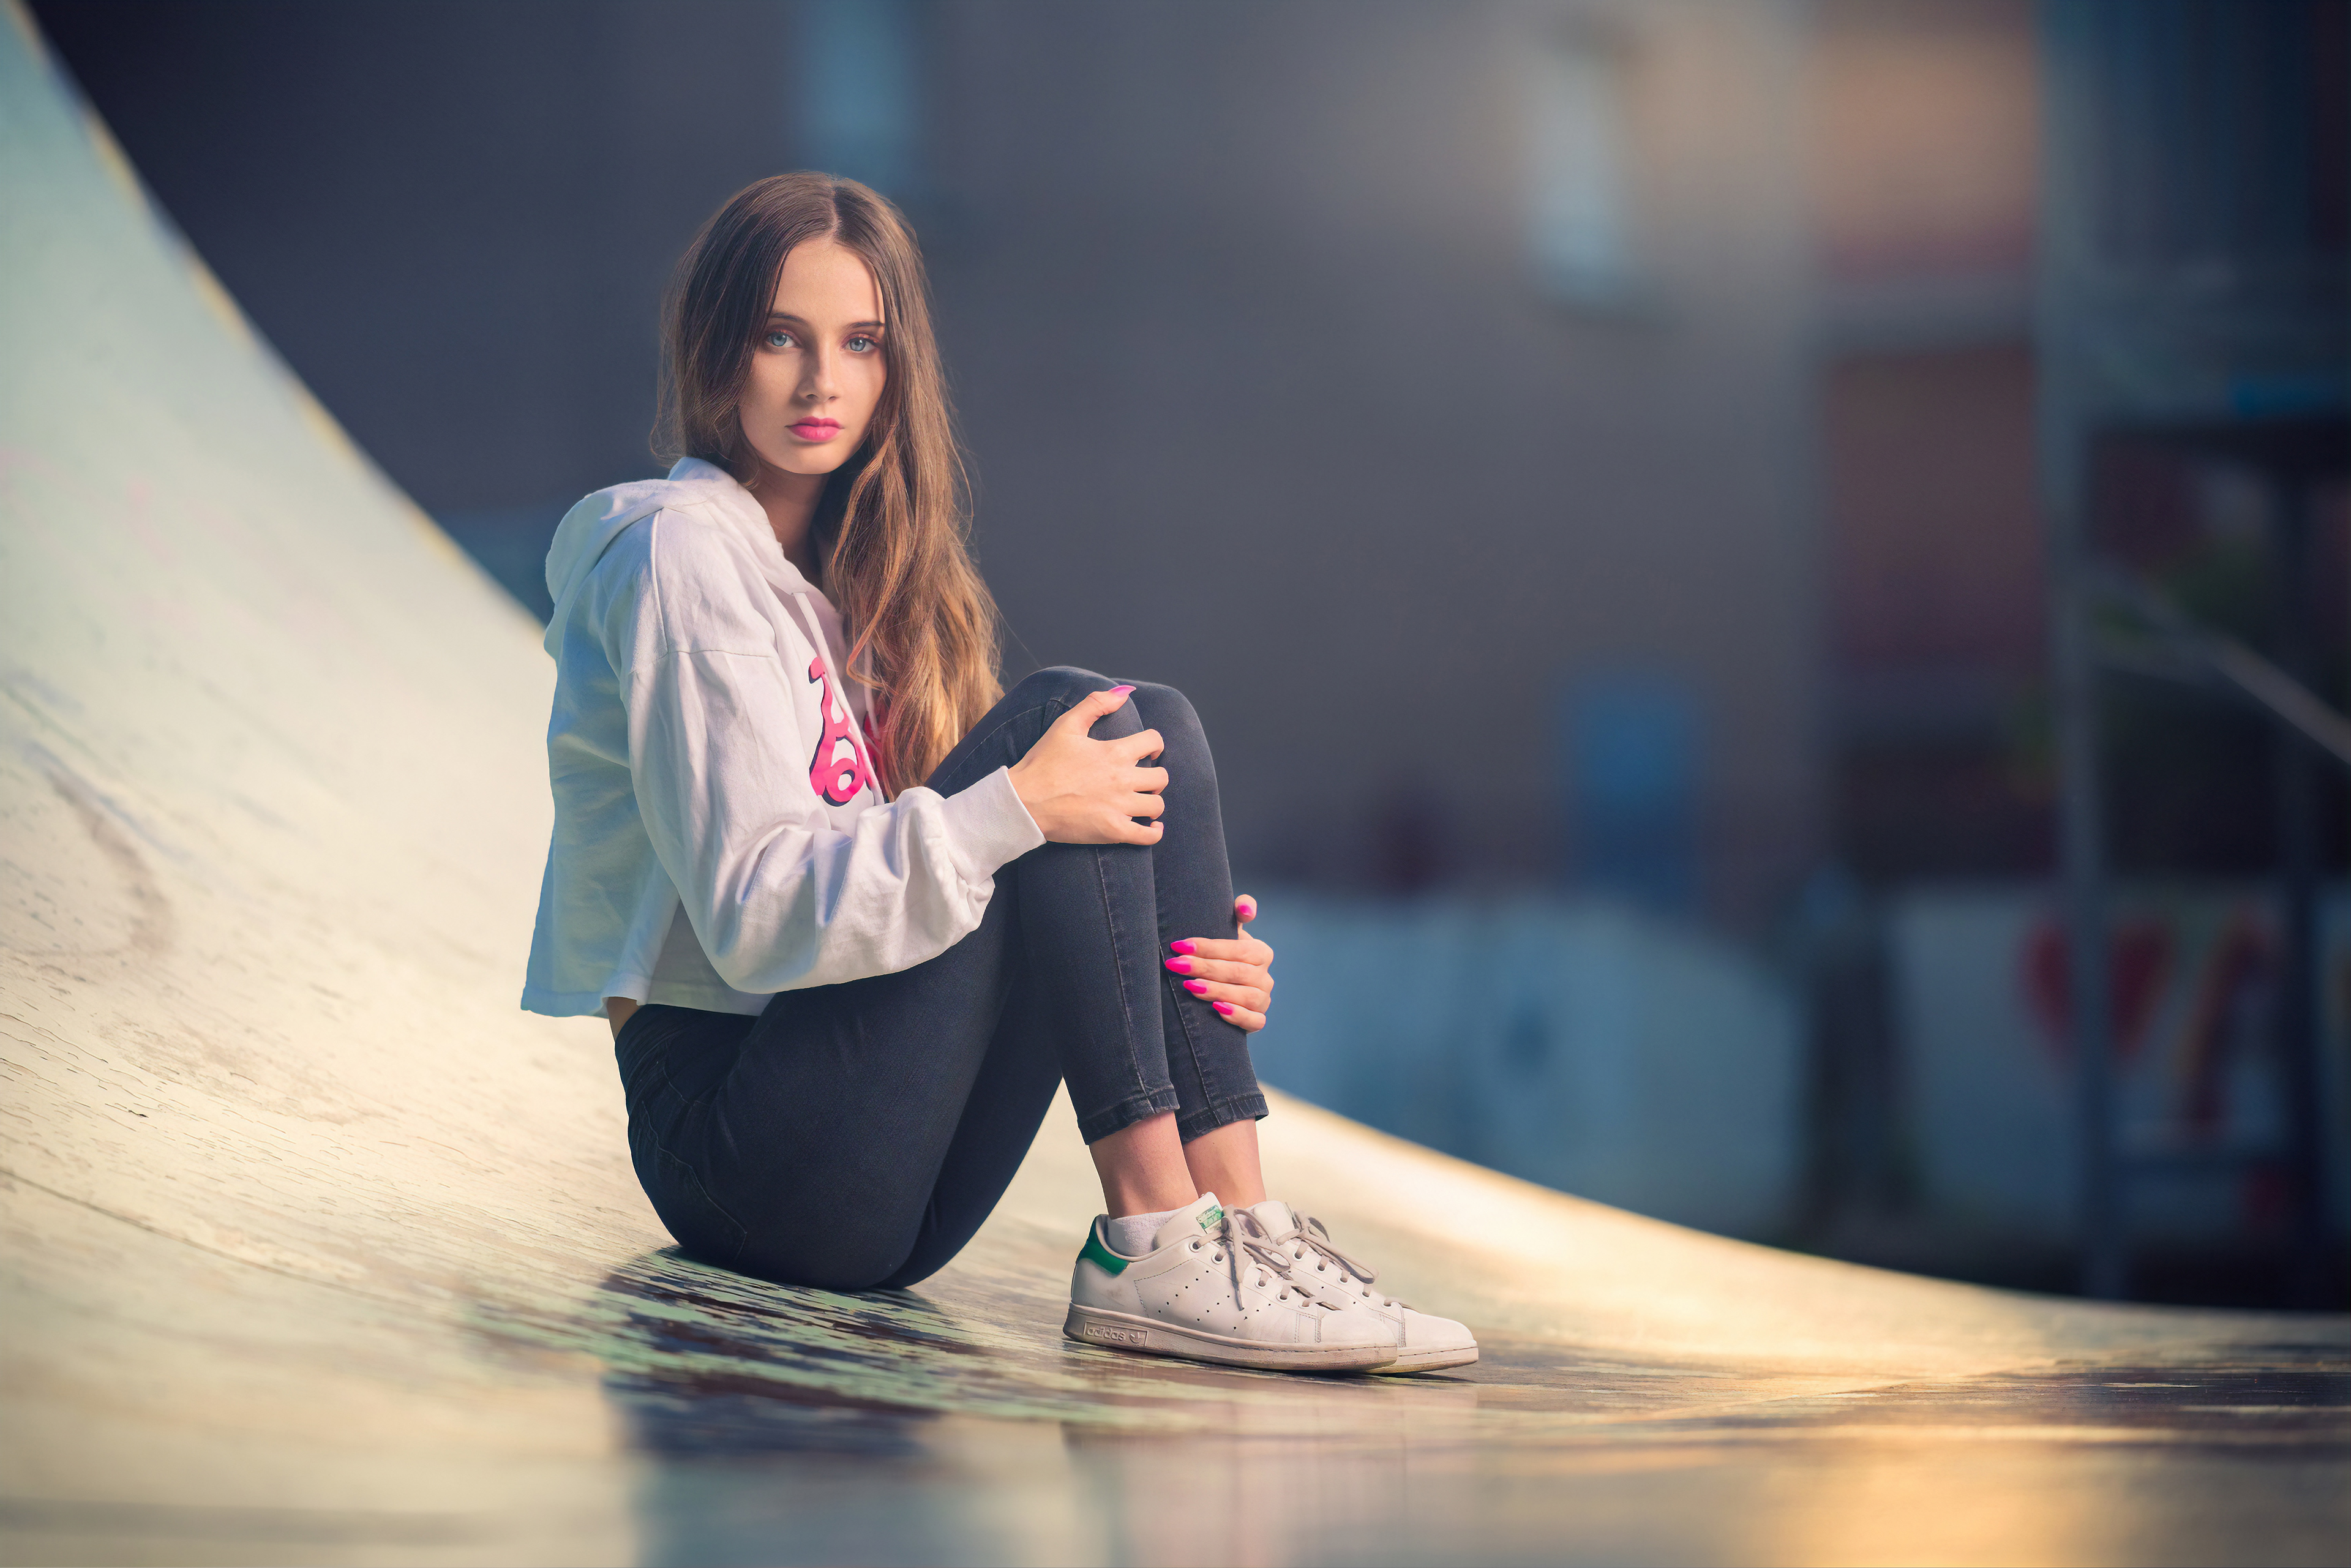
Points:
[788,316]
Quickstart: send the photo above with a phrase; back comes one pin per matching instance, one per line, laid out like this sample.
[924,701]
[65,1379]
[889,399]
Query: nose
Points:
[816,380]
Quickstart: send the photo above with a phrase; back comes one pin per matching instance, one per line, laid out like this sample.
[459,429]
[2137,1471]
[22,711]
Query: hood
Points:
[591,524]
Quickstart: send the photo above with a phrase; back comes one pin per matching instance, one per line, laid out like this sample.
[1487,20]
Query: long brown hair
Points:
[892,530]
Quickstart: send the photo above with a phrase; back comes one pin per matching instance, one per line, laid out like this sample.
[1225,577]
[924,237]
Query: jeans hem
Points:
[1221,1112]
[1136,1108]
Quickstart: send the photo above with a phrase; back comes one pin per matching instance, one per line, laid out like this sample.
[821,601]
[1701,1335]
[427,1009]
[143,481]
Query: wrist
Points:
[1028,789]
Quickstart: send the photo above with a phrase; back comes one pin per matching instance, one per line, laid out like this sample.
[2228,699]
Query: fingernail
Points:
[1119,691]
[1248,911]
[1183,946]
[1198,988]
[1222,1007]
[1181,965]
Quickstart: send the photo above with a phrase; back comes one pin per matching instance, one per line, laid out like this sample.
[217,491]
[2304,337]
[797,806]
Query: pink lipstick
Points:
[817,429]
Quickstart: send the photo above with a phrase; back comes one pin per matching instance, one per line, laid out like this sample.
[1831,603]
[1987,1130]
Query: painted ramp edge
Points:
[303,1221]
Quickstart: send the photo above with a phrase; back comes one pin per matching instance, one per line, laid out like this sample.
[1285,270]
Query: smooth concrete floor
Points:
[313,1249]
[169,1403]
[1540,1453]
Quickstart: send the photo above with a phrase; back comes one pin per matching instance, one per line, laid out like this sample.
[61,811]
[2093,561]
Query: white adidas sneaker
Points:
[1208,1290]
[1423,1343]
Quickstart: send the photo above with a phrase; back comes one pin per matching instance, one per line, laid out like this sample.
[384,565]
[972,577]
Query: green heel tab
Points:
[1102,1257]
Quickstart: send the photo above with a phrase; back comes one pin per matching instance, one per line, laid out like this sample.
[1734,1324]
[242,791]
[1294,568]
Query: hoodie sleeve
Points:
[779,897]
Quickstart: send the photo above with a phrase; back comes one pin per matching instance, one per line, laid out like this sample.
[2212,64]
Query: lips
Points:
[816,429]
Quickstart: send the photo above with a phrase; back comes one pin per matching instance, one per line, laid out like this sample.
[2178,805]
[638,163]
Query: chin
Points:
[808,459]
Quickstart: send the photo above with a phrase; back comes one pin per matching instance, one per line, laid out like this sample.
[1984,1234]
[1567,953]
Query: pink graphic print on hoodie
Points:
[836,774]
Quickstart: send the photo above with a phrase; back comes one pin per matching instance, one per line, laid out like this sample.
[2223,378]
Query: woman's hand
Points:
[1081,790]
[1236,977]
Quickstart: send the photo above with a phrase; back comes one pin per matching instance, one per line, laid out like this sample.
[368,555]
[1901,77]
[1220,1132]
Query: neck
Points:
[790,500]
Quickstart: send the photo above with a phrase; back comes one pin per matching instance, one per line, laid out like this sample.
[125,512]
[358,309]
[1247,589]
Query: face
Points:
[817,370]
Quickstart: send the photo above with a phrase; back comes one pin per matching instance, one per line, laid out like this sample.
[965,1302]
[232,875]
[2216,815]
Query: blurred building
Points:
[1928,148]
[2084,272]
[1422,388]
[1925,140]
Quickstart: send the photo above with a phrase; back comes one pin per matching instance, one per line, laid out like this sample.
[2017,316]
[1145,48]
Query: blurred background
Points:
[1731,550]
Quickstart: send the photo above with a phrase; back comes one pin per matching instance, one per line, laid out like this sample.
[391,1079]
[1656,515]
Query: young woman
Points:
[853,911]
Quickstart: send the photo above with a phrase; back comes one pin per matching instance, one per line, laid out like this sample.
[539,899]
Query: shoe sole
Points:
[1118,1330]
[1430,1361]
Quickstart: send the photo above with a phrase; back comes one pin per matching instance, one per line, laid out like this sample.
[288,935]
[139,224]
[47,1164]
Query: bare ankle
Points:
[1142,1168]
[1224,1160]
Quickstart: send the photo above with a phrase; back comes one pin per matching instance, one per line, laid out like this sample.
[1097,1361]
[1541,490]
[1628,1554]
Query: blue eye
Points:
[863,344]
[778,339]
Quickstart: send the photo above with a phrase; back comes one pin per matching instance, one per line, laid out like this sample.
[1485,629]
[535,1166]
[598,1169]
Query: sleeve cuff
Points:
[987,825]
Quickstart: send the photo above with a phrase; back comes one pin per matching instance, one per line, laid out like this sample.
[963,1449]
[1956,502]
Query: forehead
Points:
[824,281]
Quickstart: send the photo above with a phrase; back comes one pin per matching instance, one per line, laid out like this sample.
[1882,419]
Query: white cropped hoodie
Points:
[719,833]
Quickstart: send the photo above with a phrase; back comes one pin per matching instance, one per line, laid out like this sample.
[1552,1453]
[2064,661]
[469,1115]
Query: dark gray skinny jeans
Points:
[854,1137]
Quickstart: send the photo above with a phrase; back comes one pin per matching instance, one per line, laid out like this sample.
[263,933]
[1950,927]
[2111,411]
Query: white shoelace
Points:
[1239,1237]
[1312,1239]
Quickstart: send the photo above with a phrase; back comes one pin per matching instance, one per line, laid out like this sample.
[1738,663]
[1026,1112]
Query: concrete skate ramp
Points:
[316,1249]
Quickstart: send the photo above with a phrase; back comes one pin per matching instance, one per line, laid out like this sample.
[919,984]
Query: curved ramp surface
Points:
[312,1247]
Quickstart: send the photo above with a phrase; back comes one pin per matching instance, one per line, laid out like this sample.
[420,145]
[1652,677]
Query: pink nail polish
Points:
[1197,987]
[1119,691]
[1222,1007]
[1183,946]
[1181,965]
